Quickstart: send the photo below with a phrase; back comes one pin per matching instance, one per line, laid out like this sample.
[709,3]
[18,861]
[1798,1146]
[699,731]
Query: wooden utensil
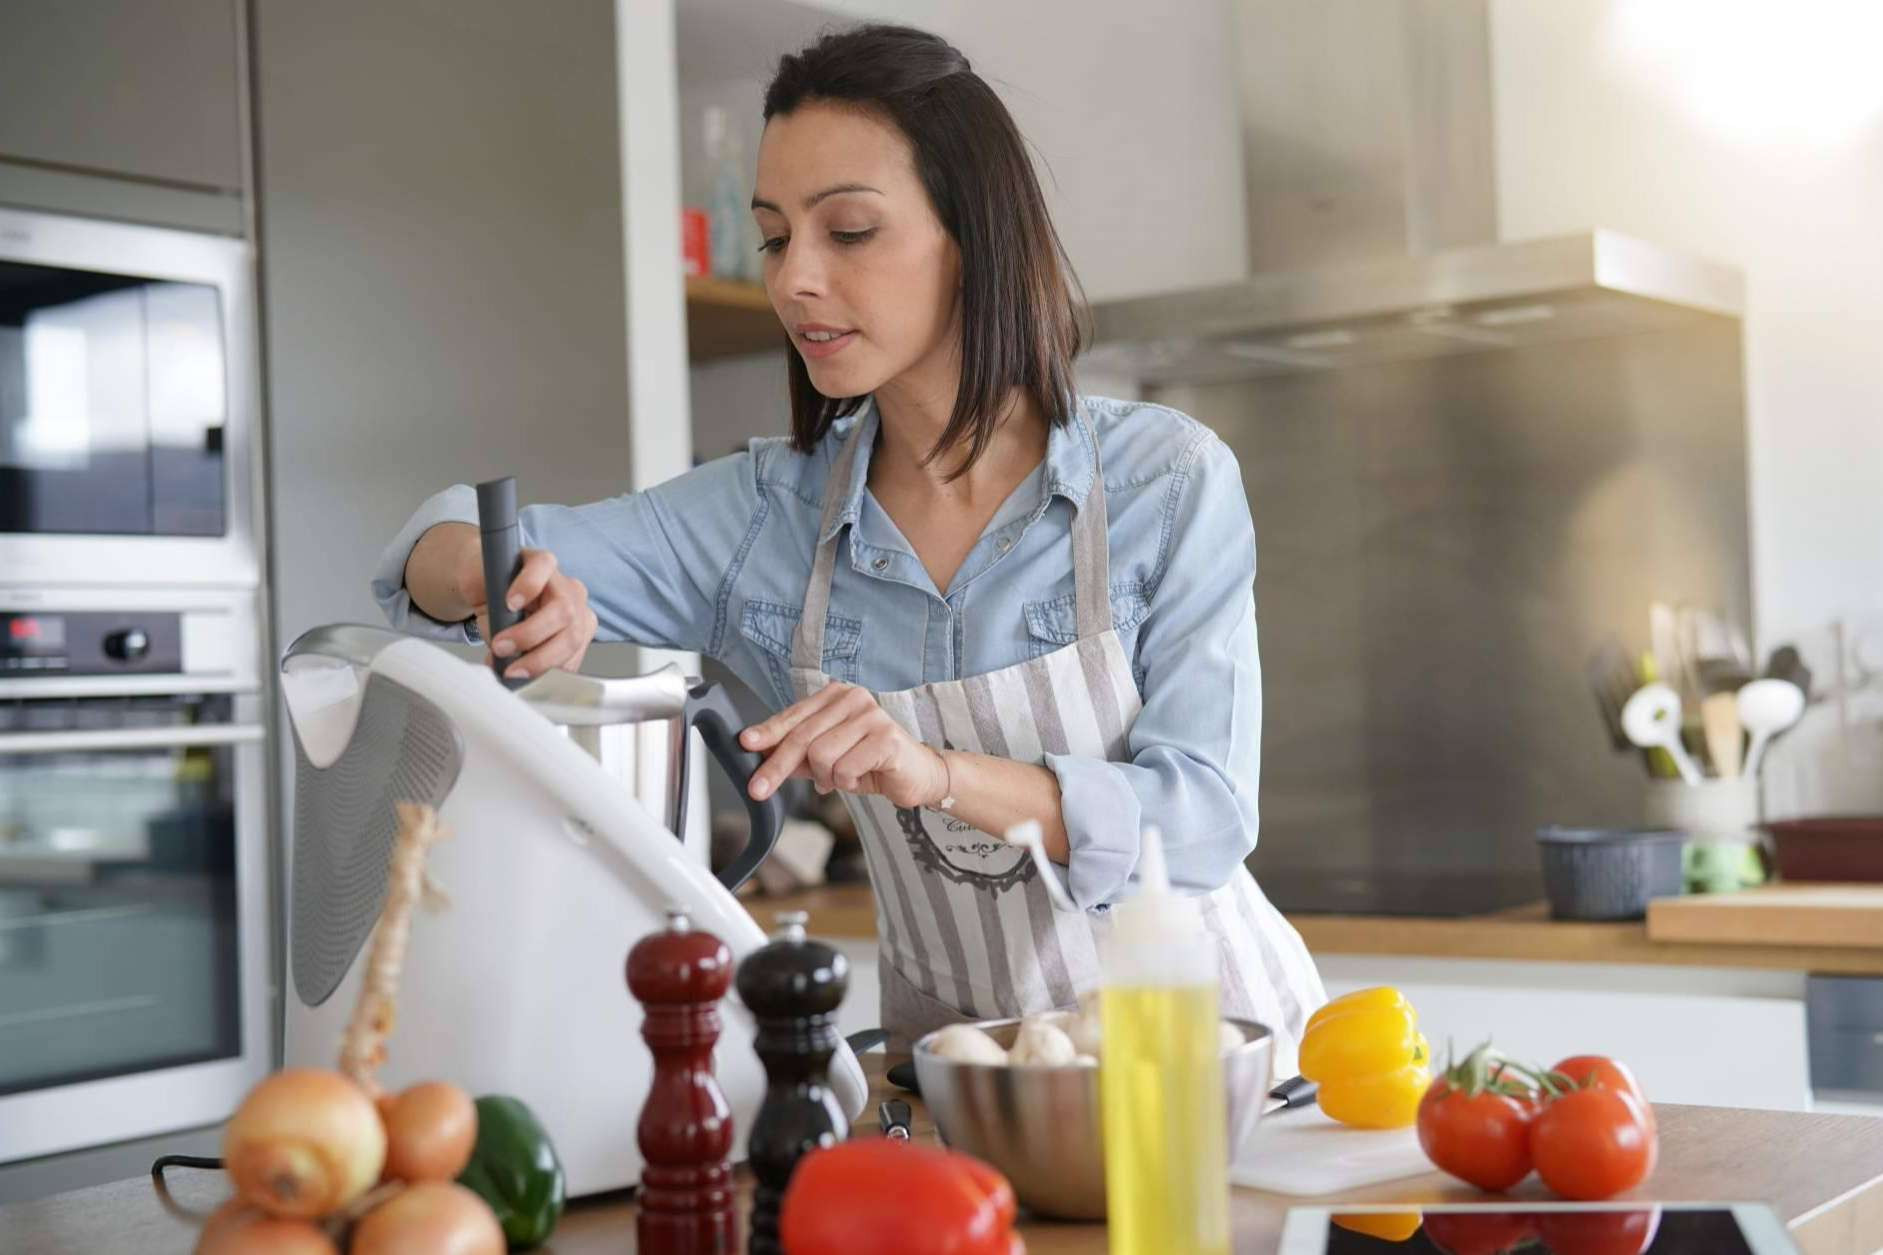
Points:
[1725,735]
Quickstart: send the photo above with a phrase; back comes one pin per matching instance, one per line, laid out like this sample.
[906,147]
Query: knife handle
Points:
[1296,1091]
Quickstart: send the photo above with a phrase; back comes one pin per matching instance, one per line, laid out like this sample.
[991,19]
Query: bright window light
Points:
[1805,71]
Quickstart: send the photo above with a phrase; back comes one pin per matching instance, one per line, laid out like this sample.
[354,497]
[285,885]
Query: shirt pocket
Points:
[769,627]
[1054,624]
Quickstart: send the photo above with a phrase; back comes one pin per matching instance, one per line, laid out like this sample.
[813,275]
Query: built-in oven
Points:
[128,402]
[135,951]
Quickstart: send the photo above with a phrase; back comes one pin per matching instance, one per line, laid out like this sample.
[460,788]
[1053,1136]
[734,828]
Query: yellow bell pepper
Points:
[1389,1226]
[1372,1063]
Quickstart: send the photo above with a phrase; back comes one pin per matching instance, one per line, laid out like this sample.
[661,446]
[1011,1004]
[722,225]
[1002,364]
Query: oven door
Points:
[133,936]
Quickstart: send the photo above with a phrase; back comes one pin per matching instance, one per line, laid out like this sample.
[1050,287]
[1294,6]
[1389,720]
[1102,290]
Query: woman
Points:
[976,597]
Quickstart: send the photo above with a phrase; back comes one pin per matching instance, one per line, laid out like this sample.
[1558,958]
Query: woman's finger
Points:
[544,622]
[833,745]
[767,733]
[865,756]
[557,651]
[538,566]
[788,757]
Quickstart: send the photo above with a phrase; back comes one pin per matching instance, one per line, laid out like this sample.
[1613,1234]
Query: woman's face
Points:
[861,271]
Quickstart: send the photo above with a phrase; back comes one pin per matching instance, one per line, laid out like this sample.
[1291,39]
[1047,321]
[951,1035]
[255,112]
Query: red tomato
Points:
[1598,1232]
[1478,1233]
[1593,1143]
[1602,1070]
[1480,1138]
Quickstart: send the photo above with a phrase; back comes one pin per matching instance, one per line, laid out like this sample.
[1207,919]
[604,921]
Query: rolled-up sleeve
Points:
[654,562]
[1195,749]
[456,504]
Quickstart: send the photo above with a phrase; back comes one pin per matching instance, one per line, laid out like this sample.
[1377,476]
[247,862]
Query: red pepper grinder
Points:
[686,1203]
[793,987]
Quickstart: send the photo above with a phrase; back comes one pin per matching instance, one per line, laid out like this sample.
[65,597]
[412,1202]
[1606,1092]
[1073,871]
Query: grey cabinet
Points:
[147,89]
[441,228]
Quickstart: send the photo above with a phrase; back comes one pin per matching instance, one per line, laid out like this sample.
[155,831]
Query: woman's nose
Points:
[800,271]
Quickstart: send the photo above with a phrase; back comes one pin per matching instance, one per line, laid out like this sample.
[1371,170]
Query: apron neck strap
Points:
[1091,550]
[807,643]
[1091,553]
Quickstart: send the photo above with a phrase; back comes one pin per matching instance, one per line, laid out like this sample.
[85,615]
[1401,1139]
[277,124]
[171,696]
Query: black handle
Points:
[1296,1091]
[896,1118]
[717,714]
[502,543]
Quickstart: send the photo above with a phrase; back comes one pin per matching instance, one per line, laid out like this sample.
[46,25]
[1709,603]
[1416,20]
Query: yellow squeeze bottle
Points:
[1160,1076]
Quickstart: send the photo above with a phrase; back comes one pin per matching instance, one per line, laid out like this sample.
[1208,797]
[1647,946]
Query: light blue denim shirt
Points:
[715,561]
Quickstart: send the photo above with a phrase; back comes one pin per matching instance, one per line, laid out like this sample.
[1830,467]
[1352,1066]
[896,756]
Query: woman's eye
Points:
[777,243]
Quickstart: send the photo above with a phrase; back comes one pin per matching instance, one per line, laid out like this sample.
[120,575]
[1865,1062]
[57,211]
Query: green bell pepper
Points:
[514,1168]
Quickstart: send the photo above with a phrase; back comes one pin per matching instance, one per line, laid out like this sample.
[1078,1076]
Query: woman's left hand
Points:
[840,738]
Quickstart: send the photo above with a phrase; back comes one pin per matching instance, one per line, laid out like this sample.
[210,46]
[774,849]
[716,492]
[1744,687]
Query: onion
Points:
[235,1228]
[434,1217]
[430,1132]
[305,1142]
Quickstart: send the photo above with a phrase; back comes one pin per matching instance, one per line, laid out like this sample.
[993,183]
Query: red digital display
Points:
[32,634]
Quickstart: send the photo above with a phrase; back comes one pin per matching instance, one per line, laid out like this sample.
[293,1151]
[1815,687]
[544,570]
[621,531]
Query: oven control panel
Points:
[49,643]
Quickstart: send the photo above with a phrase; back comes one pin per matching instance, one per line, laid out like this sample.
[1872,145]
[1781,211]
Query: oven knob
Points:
[127,644]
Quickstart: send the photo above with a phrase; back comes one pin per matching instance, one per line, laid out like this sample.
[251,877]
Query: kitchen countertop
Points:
[1822,1174]
[1524,933]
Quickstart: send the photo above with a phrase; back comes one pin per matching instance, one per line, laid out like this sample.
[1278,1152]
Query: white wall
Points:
[1752,134]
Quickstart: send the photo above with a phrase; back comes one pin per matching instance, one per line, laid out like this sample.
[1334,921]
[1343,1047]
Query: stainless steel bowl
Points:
[1040,1125]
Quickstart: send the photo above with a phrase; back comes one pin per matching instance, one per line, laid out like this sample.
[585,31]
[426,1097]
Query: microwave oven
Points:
[128,406]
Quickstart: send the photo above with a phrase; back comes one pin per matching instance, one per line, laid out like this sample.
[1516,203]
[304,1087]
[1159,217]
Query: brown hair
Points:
[1022,314]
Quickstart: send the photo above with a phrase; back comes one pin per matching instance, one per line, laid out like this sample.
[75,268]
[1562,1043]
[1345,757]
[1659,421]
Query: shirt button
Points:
[881,564]
[1006,543]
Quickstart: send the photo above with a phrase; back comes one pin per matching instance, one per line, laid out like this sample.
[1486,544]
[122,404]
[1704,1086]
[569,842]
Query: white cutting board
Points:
[1304,1152]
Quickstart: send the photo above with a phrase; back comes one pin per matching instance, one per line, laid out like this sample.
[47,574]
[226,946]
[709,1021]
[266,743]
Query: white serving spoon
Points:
[1651,718]
[1766,708]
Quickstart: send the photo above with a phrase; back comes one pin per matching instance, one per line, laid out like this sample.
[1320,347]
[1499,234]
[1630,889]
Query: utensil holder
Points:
[1725,846]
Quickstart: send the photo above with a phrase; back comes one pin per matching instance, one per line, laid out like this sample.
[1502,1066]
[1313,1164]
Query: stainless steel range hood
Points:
[1462,300]
[1368,159]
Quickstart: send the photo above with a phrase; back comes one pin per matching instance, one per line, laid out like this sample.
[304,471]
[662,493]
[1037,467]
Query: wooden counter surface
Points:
[1822,1174]
[1837,939]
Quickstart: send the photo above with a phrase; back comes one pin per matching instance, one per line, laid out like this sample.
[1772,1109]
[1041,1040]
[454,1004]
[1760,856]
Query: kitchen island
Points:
[1822,1174]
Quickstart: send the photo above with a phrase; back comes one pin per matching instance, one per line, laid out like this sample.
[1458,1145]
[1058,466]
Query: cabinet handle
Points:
[108,739]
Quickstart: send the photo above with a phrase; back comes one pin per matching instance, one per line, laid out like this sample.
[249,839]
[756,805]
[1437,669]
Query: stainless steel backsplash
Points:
[1440,545]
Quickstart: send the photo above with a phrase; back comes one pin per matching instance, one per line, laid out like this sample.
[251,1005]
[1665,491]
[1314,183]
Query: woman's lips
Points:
[823,348]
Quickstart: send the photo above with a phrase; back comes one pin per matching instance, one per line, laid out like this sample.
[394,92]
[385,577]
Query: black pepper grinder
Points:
[792,986]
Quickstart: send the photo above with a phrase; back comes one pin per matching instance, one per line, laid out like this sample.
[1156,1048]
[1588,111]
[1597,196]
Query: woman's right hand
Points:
[557,626]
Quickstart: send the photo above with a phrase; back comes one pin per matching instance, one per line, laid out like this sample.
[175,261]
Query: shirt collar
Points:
[1069,459]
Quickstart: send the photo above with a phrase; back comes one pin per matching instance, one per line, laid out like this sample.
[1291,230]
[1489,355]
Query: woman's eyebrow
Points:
[811,200]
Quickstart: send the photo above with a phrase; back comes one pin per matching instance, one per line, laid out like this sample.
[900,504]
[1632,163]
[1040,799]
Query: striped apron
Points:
[966,927]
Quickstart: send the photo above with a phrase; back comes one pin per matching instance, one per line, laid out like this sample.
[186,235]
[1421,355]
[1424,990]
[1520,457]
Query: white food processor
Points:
[553,868]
